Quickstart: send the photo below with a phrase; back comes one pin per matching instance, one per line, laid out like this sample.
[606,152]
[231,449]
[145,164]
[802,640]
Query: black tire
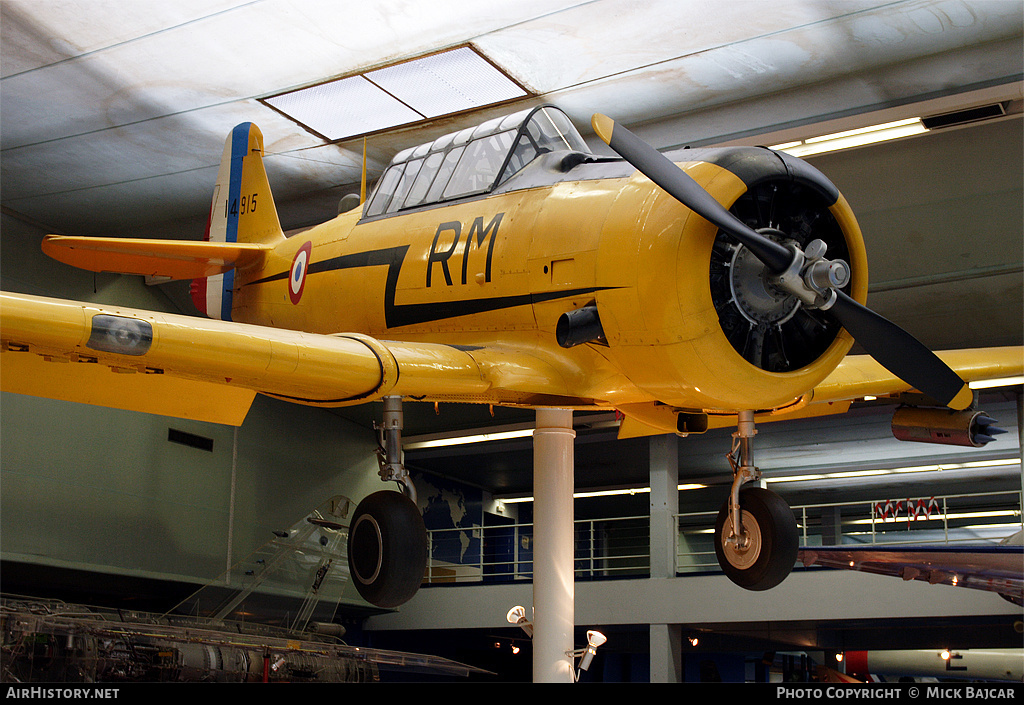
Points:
[387,549]
[774,538]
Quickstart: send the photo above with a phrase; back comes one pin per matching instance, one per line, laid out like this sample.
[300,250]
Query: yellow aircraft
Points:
[507,264]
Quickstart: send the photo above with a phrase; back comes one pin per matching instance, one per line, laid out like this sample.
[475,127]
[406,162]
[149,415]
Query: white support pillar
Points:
[665,639]
[553,549]
[664,506]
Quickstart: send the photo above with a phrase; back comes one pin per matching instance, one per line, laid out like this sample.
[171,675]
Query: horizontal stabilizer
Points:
[174,259]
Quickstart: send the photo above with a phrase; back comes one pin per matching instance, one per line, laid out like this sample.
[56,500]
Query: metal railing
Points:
[605,548]
[965,518]
[620,546]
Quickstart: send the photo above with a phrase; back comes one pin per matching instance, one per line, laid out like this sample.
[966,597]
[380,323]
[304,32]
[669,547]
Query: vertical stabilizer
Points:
[242,210]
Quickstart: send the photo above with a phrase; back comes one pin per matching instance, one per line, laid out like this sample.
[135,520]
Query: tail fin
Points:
[242,211]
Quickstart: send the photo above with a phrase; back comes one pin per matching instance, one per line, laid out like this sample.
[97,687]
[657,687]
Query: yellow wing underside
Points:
[210,370]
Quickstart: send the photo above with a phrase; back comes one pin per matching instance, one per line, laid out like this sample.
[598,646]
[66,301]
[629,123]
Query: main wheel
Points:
[765,553]
[387,548]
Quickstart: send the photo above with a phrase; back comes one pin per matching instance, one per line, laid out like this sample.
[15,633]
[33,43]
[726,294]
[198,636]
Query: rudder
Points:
[242,210]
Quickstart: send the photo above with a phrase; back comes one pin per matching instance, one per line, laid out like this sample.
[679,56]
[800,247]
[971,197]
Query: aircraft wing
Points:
[858,376]
[996,568]
[206,369]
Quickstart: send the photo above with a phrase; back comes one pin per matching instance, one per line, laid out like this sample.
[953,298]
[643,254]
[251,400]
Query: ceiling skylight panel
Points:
[350,106]
[448,82]
[413,91]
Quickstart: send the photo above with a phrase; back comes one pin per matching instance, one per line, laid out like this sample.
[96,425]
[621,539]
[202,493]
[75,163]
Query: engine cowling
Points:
[724,337]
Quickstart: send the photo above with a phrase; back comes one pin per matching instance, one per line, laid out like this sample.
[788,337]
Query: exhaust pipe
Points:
[578,327]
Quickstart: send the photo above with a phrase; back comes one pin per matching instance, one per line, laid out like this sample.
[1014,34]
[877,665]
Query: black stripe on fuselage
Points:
[397,315]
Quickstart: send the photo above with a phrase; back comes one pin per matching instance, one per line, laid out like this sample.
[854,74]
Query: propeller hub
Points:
[758,298]
[769,325]
[811,278]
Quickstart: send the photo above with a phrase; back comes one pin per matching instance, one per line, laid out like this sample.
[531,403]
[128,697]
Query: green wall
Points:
[105,490]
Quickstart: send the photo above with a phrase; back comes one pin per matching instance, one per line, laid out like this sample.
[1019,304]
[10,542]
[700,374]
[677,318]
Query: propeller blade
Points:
[902,354]
[662,171]
[890,345]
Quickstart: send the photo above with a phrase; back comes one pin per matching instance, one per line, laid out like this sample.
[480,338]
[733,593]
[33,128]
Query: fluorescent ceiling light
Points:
[895,471]
[603,493]
[440,84]
[853,138]
[463,440]
[938,517]
[494,433]
[991,383]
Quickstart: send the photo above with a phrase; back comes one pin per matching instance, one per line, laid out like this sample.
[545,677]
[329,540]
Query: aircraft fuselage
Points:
[501,269]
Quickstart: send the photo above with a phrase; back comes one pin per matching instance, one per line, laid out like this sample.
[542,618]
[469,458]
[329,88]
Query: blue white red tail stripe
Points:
[241,190]
[239,150]
[214,295]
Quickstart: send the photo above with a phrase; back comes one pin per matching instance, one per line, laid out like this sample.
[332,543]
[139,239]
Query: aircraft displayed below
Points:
[507,264]
[937,665]
[997,568]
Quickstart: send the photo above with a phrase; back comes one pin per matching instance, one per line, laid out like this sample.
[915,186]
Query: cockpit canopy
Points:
[473,161]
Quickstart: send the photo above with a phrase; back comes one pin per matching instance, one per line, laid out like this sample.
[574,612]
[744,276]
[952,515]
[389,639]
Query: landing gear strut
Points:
[387,541]
[756,538]
[389,452]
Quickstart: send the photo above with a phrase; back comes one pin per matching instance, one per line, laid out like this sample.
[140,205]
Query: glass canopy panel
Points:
[469,161]
[547,130]
[444,173]
[479,165]
[556,131]
[418,192]
[385,190]
[404,186]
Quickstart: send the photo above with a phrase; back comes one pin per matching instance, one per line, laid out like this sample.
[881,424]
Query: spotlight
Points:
[517,615]
[594,640]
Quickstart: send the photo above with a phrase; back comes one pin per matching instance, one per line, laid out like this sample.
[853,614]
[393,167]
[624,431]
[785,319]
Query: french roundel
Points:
[297,277]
